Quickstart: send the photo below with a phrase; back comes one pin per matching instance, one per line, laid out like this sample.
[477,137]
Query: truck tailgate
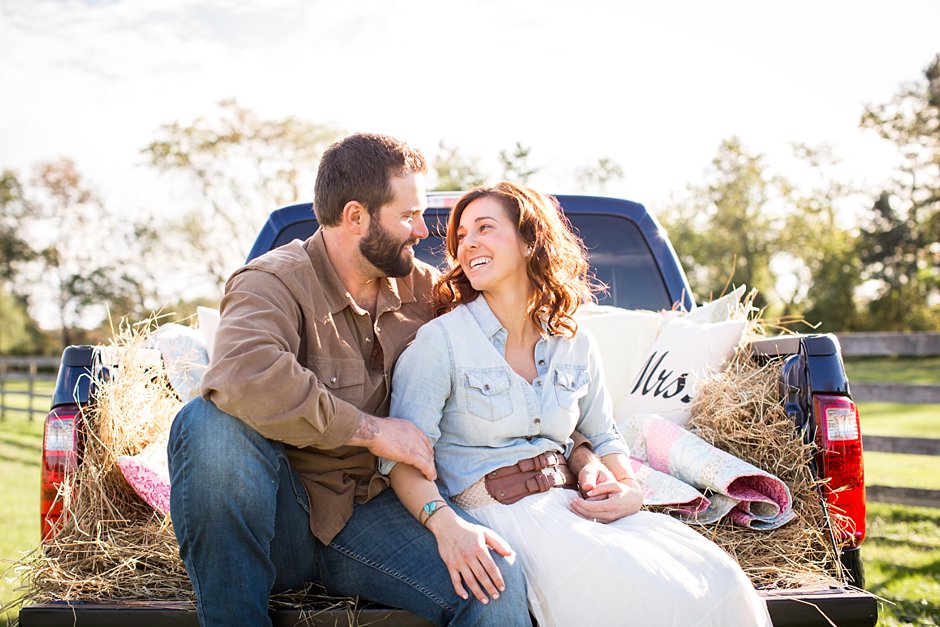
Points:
[843,607]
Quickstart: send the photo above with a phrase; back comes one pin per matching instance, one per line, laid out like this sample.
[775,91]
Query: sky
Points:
[654,86]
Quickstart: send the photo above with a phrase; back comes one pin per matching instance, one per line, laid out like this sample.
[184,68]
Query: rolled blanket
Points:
[753,497]
[149,475]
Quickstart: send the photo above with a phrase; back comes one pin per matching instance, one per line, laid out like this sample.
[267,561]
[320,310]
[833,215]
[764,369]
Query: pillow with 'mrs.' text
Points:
[683,354]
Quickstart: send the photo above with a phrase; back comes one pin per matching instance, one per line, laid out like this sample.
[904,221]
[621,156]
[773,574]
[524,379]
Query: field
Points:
[20,445]
[901,554]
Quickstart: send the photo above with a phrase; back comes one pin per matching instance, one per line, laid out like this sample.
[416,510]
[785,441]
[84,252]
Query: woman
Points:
[499,383]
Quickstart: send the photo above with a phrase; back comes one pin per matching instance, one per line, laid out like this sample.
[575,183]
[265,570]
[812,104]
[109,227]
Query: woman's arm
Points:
[463,546]
[421,386]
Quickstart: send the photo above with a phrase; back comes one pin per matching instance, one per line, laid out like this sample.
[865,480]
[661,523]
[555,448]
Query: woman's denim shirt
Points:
[454,383]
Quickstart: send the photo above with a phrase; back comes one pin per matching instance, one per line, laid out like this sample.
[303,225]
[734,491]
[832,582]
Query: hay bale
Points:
[112,545]
[739,410]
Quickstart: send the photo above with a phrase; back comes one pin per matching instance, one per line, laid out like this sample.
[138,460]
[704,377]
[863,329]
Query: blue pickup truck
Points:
[632,255]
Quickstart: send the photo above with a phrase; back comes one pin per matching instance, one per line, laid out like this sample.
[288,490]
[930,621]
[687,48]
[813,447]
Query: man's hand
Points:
[609,501]
[593,473]
[395,439]
[604,498]
[465,549]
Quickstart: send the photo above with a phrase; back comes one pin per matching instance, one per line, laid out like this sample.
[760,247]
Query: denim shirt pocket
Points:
[486,392]
[571,384]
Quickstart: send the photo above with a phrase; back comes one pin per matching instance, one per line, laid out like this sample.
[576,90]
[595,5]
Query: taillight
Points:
[59,459]
[839,438]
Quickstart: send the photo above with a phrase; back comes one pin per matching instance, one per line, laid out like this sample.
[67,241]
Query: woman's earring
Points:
[529,251]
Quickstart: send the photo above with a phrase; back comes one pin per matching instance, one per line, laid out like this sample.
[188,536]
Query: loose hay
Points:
[739,410]
[113,546]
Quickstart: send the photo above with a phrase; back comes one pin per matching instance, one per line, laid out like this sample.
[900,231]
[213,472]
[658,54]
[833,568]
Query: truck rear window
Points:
[617,250]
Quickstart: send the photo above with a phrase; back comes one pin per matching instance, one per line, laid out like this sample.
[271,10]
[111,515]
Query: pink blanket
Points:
[678,469]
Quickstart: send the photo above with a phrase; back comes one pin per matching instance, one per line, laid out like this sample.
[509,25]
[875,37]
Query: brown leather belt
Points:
[529,476]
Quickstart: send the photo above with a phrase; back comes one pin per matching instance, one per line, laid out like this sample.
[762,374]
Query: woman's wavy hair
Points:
[557,267]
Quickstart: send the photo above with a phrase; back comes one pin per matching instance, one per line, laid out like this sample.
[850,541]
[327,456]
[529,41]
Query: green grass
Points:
[902,563]
[20,446]
[921,421]
[920,370]
[910,471]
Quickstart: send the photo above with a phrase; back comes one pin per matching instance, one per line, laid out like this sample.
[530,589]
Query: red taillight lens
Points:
[839,438]
[59,458]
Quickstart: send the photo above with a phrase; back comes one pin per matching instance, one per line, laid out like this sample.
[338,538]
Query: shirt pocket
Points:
[571,385]
[344,378]
[486,392]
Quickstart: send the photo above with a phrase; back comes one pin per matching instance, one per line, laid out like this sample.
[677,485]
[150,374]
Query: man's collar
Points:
[393,293]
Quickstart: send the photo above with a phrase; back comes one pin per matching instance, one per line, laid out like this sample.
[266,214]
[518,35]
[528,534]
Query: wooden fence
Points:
[29,377]
[905,345]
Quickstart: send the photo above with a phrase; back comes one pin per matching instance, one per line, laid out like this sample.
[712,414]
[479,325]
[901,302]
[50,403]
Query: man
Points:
[273,468]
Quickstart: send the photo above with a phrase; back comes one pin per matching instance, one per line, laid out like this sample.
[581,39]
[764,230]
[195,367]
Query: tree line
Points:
[61,248]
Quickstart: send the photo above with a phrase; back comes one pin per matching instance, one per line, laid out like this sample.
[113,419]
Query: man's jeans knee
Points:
[239,513]
[242,522]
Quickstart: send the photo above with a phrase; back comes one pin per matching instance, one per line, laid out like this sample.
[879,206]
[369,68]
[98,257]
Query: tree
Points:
[594,177]
[454,171]
[899,239]
[72,234]
[14,249]
[828,251]
[242,166]
[726,231]
[18,333]
[515,164]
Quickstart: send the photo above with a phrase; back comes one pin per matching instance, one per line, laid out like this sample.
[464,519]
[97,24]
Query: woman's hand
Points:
[465,549]
[606,499]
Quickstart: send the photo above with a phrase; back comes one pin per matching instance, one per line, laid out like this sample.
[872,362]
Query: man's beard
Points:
[384,252]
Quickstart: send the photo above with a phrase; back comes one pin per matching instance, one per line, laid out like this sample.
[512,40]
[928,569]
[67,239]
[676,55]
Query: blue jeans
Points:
[241,518]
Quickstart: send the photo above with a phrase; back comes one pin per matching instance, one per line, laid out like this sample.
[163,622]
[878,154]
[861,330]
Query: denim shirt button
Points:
[539,383]
[486,387]
[541,362]
[537,421]
[528,438]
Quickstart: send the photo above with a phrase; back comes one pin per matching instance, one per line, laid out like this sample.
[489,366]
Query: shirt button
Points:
[332,379]
[368,339]
[537,421]
[486,387]
[541,362]
[539,383]
[528,437]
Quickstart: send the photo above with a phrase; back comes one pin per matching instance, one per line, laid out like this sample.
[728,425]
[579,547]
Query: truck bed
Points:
[799,607]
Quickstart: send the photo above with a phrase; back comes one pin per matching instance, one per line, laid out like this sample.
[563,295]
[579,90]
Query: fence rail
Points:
[908,446]
[33,371]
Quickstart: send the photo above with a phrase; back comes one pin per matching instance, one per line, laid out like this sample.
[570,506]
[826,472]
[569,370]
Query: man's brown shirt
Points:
[296,359]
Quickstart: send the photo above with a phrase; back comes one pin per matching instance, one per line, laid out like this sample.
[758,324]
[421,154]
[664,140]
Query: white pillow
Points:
[725,308]
[208,323]
[683,354]
[624,337]
[184,357]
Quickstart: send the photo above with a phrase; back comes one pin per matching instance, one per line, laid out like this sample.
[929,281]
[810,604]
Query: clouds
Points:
[654,87]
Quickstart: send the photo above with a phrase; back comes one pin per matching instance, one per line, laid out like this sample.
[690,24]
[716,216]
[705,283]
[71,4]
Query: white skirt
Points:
[645,569]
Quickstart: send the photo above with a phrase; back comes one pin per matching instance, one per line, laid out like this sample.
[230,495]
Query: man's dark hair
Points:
[360,167]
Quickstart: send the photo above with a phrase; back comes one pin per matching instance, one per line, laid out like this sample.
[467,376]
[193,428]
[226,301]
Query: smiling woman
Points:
[499,383]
